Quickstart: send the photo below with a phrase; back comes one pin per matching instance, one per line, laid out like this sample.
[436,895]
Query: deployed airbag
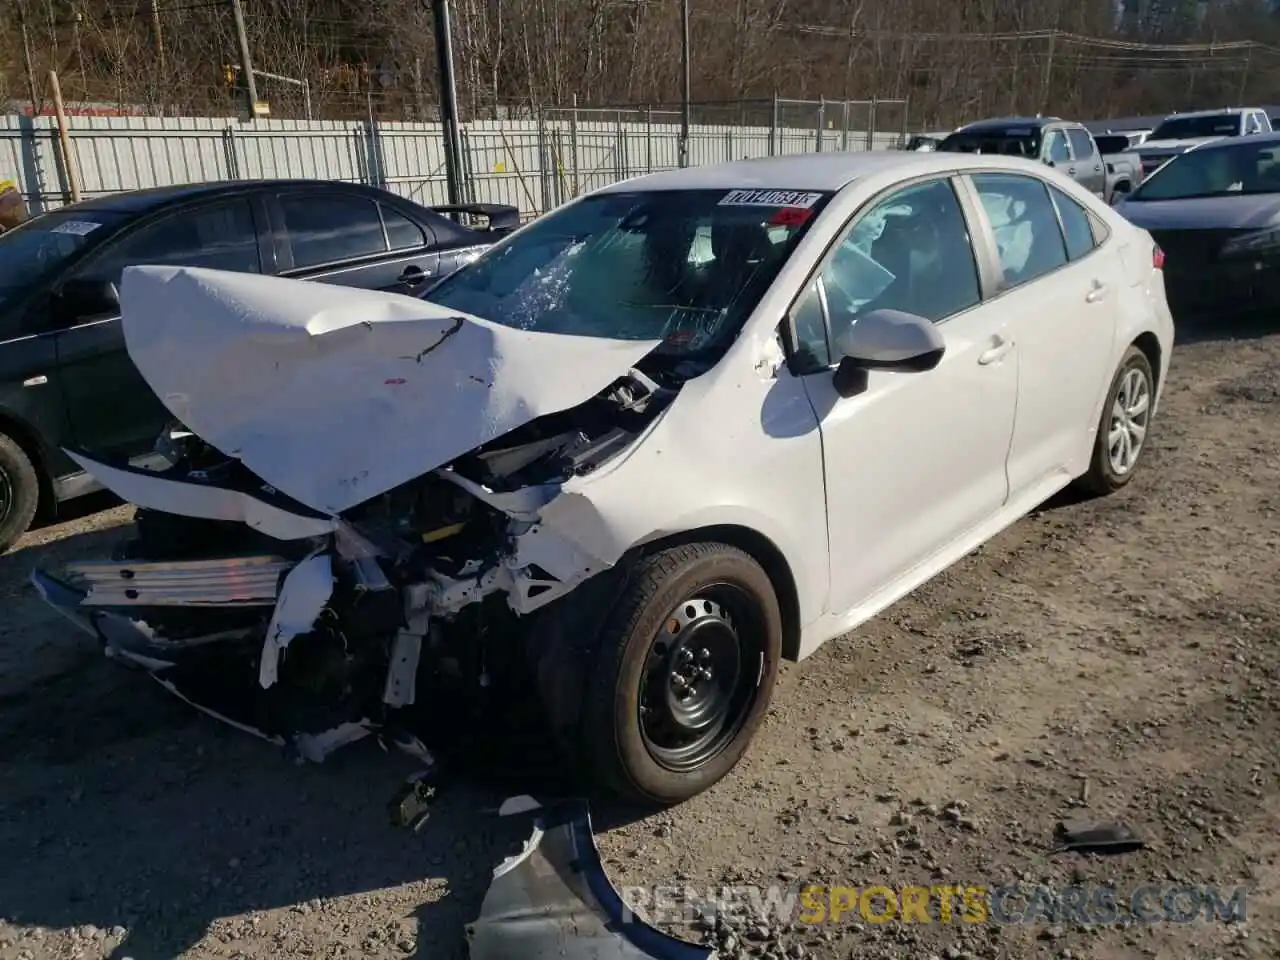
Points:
[334,395]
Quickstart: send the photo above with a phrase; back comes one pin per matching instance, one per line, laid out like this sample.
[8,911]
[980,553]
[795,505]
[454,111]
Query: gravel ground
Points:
[1130,644]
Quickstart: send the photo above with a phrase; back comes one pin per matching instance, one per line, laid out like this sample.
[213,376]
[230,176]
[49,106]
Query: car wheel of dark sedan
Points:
[1124,426]
[685,669]
[19,492]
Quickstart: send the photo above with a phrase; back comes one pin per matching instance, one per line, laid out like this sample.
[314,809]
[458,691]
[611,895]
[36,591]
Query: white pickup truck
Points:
[1180,132]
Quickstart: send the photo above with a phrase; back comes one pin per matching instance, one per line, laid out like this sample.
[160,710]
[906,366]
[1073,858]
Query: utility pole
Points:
[448,101]
[686,85]
[156,33]
[1048,73]
[26,59]
[246,64]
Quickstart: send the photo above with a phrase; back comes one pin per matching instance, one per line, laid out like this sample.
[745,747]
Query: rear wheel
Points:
[685,668]
[1123,427]
[19,492]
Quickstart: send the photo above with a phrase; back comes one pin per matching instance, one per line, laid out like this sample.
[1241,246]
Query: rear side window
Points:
[1025,224]
[402,233]
[220,236]
[1081,144]
[1076,227]
[325,229]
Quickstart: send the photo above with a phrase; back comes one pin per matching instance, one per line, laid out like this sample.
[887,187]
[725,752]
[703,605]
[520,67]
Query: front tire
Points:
[684,671]
[19,492]
[1124,426]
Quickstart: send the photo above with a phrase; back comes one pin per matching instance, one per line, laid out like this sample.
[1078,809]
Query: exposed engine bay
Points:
[315,641]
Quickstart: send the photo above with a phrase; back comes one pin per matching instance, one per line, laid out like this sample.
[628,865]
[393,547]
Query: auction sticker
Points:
[79,228]
[769,198]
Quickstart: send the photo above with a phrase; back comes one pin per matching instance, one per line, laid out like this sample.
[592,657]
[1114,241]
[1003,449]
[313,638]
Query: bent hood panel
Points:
[334,395]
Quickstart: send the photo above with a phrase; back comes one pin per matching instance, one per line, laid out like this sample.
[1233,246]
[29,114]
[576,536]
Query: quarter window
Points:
[220,236]
[1076,228]
[325,229]
[1025,223]
[910,252]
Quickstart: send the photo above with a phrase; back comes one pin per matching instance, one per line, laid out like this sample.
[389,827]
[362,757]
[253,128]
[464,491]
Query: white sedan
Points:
[642,450]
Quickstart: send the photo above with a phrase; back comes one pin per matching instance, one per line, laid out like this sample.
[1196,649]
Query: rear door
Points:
[1059,293]
[111,408]
[1087,162]
[353,240]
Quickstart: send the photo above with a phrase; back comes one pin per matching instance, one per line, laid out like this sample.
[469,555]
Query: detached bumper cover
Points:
[554,902]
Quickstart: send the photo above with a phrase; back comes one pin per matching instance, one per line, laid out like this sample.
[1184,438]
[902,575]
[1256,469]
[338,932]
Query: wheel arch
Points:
[29,442]
[766,553]
[1148,343]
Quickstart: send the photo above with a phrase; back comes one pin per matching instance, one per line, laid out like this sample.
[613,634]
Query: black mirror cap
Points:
[851,375]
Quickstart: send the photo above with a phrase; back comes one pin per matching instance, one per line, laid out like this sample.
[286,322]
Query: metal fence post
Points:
[844,128]
[773,129]
[468,166]
[822,122]
[542,161]
[620,149]
[573,145]
[871,125]
[903,141]
[648,138]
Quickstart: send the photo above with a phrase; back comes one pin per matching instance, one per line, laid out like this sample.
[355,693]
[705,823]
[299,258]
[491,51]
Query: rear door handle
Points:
[996,351]
[412,275]
[1071,170]
[1098,292]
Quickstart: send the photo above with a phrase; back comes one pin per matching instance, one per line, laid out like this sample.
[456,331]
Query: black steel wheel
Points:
[19,492]
[683,672]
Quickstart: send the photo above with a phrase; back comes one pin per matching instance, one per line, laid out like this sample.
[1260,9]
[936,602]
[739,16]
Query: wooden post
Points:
[68,161]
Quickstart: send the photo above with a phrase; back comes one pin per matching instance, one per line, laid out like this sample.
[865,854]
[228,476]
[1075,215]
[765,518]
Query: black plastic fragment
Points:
[1085,837]
[411,806]
[555,901]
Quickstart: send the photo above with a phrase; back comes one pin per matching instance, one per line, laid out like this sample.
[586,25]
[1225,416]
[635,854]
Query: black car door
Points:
[352,240]
[111,408]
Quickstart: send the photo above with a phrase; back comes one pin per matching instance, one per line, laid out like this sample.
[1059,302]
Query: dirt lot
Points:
[1134,642]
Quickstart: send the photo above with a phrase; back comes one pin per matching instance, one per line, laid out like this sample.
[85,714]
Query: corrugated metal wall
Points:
[534,165]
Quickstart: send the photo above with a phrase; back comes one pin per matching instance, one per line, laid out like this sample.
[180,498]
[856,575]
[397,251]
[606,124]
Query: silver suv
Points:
[1059,143]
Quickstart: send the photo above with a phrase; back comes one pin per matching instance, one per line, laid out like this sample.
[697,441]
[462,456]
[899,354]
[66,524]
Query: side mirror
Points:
[88,298]
[886,340]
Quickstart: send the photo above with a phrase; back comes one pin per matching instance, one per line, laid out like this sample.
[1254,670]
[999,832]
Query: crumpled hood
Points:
[1228,212]
[334,395]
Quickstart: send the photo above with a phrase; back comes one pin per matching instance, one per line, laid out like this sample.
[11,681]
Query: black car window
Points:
[1081,145]
[323,228]
[220,236]
[1076,227]
[1112,143]
[402,233]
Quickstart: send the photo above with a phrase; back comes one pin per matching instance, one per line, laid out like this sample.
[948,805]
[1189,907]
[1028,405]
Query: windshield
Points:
[1243,167]
[682,266]
[1189,128]
[32,251]
[1012,142]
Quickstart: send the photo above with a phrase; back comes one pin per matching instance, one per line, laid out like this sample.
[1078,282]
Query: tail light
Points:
[1157,258]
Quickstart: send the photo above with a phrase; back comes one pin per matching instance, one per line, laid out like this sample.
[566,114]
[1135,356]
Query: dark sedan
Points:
[1215,212]
[65,376]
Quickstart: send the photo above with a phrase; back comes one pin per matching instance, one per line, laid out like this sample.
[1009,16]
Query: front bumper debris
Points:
[234,581]
[553,901]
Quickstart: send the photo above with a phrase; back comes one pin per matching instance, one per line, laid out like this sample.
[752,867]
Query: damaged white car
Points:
[640,451]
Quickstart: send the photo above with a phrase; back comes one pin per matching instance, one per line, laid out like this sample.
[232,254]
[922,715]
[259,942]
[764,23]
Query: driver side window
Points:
[910,252]
[1056,149]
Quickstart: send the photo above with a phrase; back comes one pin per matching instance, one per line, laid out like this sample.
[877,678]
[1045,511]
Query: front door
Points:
[111,408]
[1087,162]
[915,460]
[1060,294]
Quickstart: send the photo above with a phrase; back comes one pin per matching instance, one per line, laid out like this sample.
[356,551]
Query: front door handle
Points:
[1098,292]
[999,347]
[1071,170]
[413,275]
